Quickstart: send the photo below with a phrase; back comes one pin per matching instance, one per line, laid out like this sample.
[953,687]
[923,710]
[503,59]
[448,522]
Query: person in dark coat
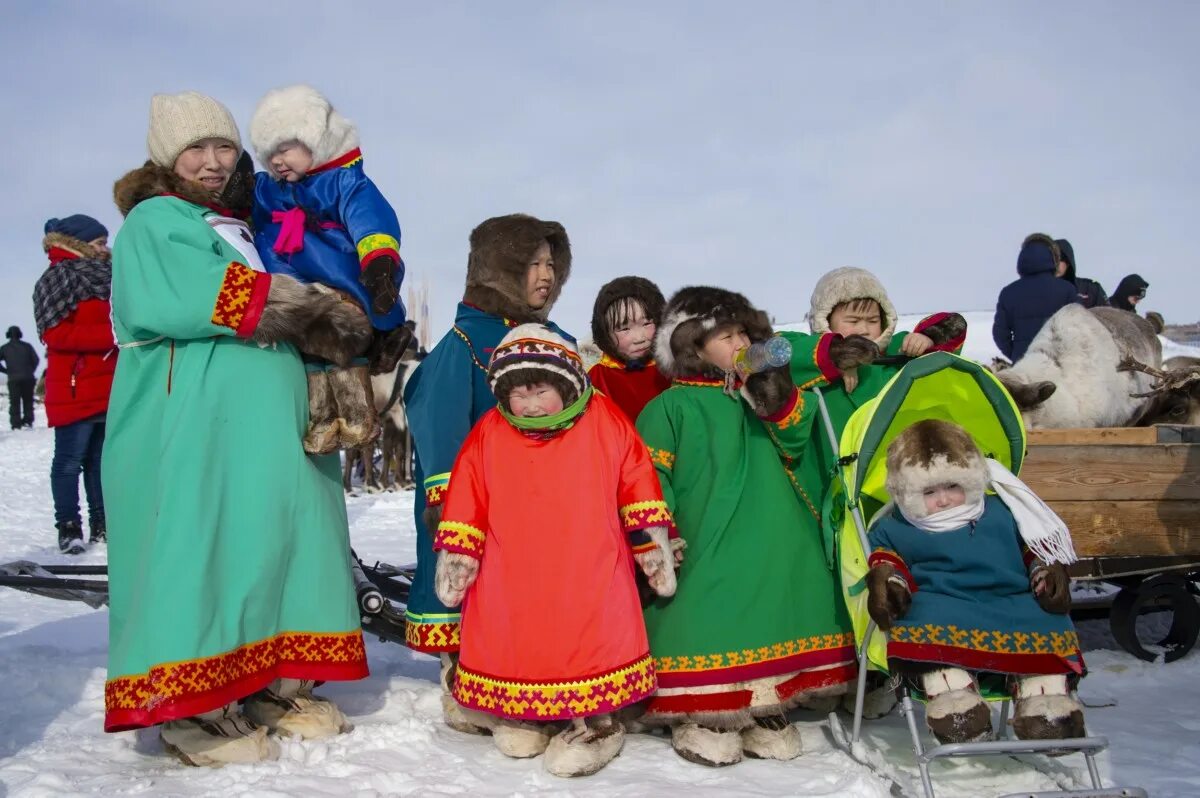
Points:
[1091,294]
[1130,291]
[1026,303]
[20,362]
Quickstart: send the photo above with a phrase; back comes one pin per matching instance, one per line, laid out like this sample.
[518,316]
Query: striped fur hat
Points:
[534,353]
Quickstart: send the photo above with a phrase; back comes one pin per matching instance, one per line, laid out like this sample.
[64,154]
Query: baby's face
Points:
[535,401]
[860,317]
[292,161]
[943,497]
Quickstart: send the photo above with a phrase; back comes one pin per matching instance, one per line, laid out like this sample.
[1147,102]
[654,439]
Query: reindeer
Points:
[1072,374]
[1175,396]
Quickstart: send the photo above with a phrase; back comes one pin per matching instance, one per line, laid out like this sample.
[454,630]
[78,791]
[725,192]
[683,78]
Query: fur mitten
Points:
[379,277]
[887,596]
[341,334]
[1051,587]
[658,564]
[851,351]
[455,574]
[291,307]
[946,330]
[387,348]
[768,391]
[432,516]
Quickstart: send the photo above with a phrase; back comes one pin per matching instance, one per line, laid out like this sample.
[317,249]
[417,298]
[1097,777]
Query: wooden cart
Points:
[1131,498]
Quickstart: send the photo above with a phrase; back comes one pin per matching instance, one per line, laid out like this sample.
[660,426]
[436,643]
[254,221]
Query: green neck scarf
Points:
[545,427]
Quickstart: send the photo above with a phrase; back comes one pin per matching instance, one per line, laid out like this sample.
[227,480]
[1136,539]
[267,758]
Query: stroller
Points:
[937,386]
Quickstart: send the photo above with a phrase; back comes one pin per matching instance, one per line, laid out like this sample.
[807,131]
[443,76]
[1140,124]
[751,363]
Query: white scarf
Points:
[1042,530]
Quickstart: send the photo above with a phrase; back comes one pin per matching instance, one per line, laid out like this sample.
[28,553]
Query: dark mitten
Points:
[238,195]
[768,391]
[379,276]
[887,596]
[432,516]
[948,329]
[1052,588]
[341,334]
[291,307]
[850,352]
[387,348]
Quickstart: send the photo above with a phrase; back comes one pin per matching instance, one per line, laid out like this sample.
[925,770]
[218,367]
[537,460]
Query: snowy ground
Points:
[52,670]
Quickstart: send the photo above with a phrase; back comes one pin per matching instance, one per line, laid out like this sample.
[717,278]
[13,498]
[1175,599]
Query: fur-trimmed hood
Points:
[639,288]
[689,316]
[81,248]
[300,113]
[929,453]
[844,285]
[152,180]
[1039,254]
[501,249]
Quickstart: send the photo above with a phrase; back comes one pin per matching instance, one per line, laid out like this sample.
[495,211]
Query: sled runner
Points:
[936,386]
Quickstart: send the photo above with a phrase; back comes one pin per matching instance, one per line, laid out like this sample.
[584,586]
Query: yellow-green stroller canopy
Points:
[936,386]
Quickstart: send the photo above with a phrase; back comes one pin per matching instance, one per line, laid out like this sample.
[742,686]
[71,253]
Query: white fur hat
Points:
[929,453]
[846,284]
[177,121]
[300,113]
[535,347]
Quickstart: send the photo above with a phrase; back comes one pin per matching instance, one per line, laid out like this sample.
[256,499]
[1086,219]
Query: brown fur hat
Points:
[501,249]
[153,180]
[929,453]
[690,315]
[640,289]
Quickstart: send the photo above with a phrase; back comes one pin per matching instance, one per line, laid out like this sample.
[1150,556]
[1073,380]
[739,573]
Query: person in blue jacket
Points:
[320,219]
[515,272]
[1026,303]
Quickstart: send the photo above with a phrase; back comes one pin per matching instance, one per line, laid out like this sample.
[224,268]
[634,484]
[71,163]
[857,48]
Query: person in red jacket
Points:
[71,308]
[624,319]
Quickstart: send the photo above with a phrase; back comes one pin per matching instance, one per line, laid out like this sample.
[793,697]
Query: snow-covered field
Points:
[52,670]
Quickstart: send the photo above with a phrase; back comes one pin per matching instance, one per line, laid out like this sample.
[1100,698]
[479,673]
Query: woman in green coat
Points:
[757,623]
[228,547]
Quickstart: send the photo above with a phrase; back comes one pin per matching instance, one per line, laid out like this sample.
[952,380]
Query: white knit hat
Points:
[300,113]
[535,347]
[177,121]
[846,284]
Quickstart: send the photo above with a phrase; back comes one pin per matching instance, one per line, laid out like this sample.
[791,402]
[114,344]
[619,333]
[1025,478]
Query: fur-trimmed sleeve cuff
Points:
[889,557]
[792,407]
[460,538]
[952,345]
[641,515]
[435,488]
[822,359]
[376,246]
[241,299]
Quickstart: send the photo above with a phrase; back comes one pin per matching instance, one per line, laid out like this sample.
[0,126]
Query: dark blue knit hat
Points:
[80,226]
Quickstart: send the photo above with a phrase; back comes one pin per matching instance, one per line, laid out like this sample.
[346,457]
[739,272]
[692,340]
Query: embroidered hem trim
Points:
[174,690]
[432,638]
[996,662]
[737,701]
[982,643]
[562,700]
[754,663]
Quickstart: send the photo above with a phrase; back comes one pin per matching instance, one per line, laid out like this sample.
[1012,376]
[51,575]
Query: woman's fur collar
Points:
[152,180]
[81,248]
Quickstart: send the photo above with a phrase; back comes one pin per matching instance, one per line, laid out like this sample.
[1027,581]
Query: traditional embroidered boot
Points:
[772,737]
[220,737]
[713,748]
[585,747]
[322,434]
[289,708]
[955,713]
[357,419]
[1045,710]
[521,740]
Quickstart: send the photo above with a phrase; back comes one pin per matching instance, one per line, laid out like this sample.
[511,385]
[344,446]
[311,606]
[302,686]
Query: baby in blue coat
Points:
[971,585]
[320,219]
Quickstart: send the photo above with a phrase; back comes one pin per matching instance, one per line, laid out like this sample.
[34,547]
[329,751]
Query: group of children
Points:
[639,544]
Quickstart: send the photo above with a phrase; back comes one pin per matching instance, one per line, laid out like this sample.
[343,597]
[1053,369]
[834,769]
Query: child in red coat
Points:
[624,320]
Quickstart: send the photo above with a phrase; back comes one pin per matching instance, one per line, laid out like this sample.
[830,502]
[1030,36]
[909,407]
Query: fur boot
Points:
[453,715]
[585,747]
[288,708]
[220,737]
[521,740]
[358,423]
[772,737]
[879,701]
[955,713]
[1045,710]
[322,434]
[704,746]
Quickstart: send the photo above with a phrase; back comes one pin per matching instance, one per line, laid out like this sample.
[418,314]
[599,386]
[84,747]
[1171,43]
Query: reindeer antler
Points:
[1172,380]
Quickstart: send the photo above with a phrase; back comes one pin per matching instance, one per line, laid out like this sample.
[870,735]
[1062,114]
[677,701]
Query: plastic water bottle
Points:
[771,353]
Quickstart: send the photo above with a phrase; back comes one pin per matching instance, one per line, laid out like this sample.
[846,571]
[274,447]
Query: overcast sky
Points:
[749,145]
